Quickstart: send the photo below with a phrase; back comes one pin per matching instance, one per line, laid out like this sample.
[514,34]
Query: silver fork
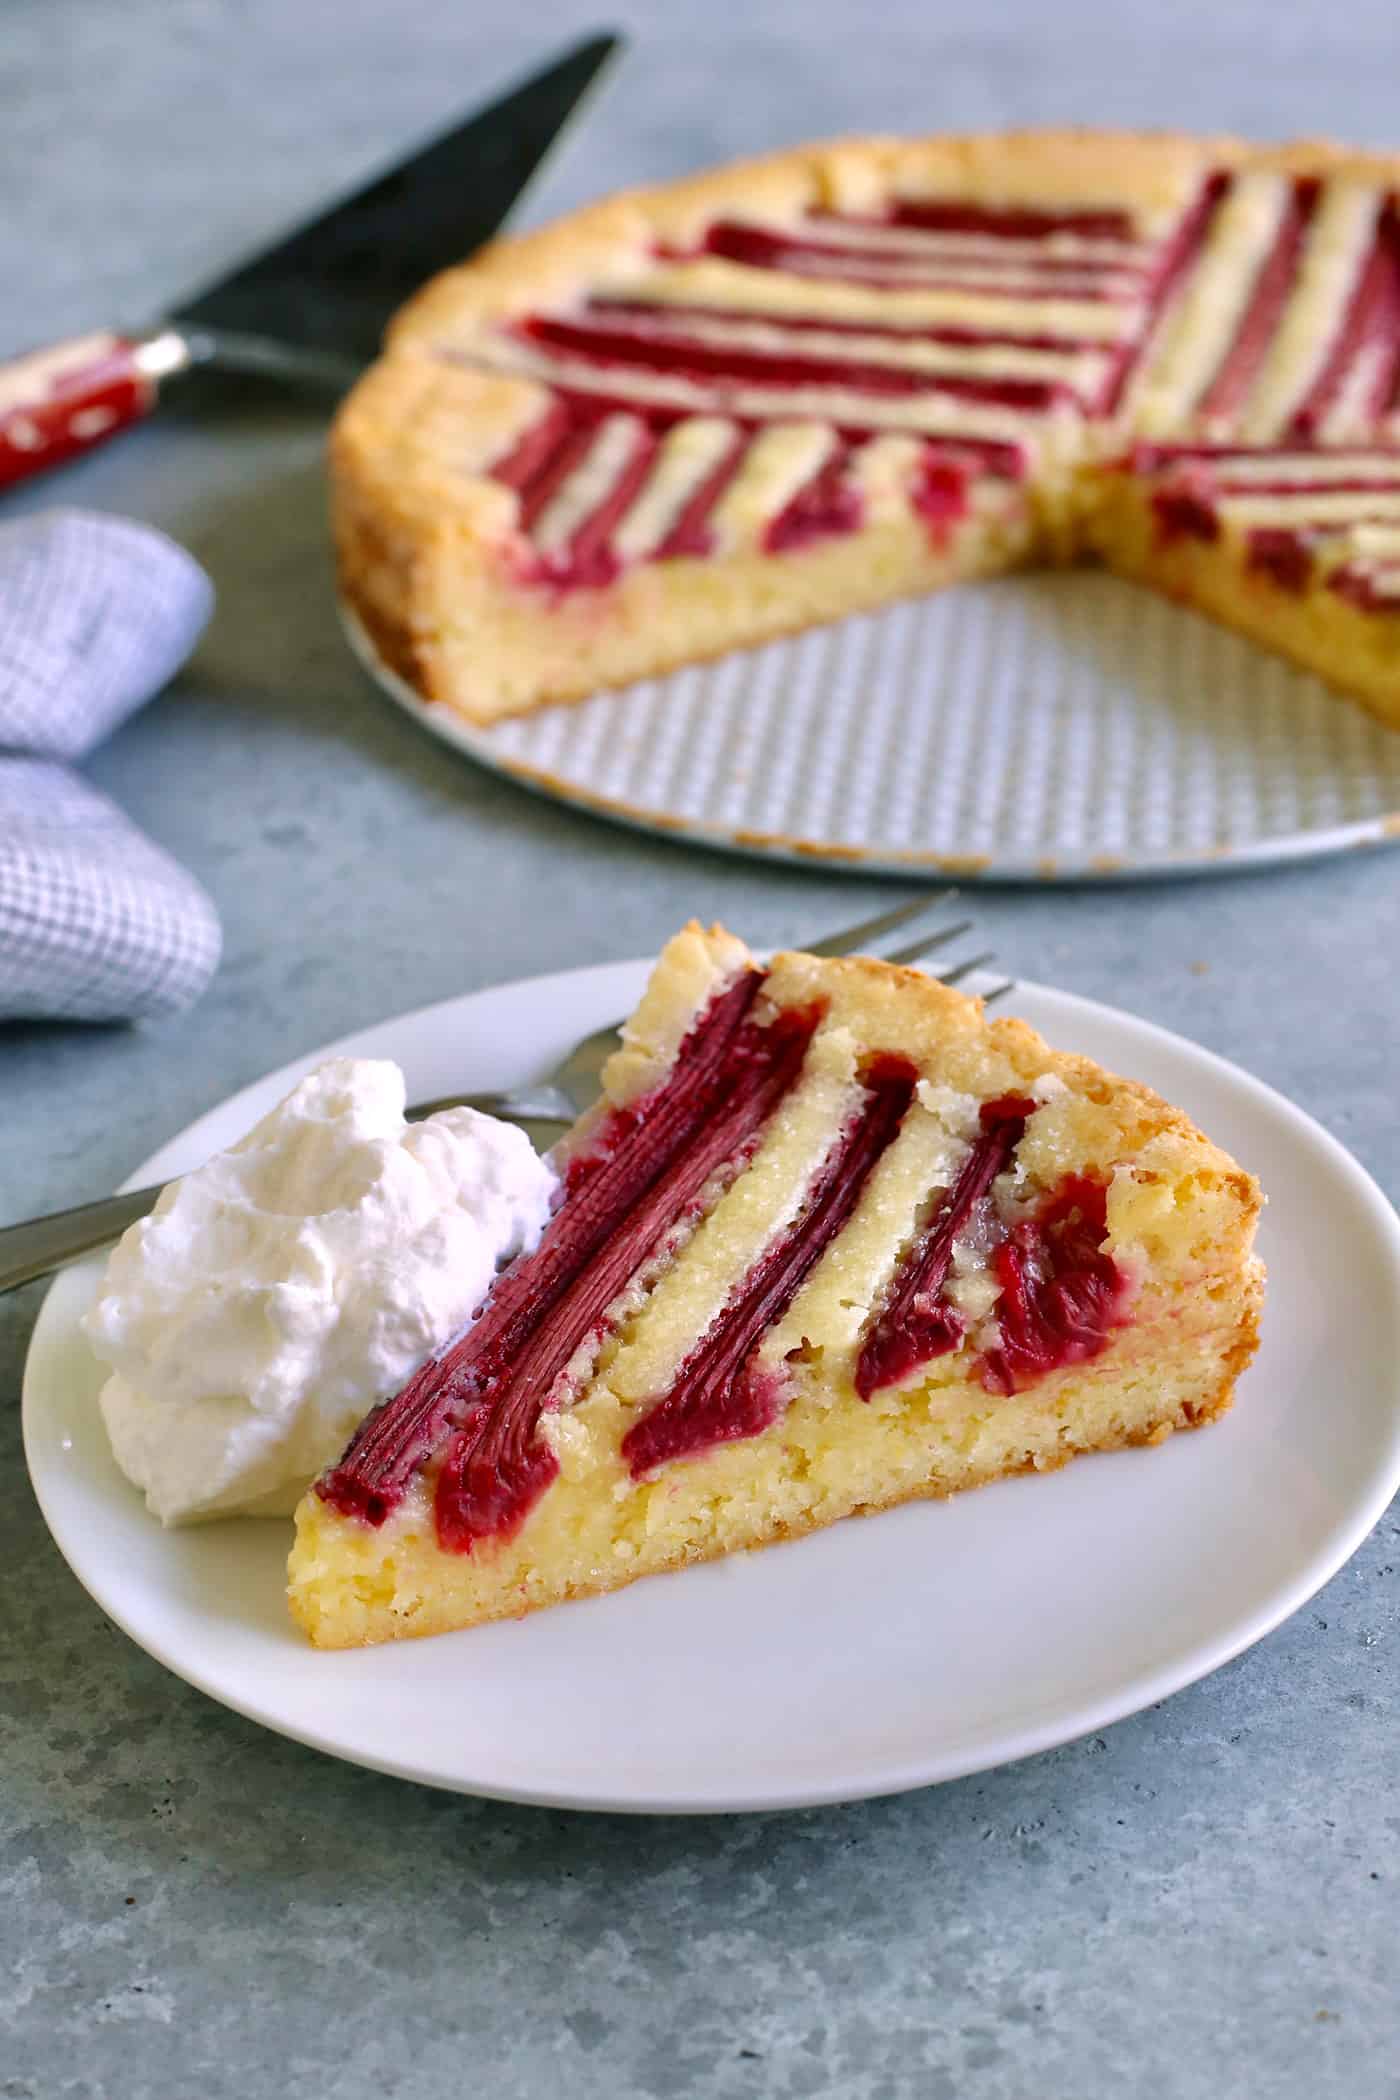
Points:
[37,1246]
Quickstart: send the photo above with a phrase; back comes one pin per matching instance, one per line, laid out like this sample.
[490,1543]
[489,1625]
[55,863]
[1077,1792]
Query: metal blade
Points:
[333,284]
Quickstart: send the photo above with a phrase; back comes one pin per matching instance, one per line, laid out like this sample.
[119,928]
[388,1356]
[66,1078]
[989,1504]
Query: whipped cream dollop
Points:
[276,1294]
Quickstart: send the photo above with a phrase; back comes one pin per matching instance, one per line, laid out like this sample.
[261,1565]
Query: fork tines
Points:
[869,936]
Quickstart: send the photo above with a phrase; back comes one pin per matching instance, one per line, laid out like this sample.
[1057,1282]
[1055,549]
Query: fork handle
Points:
[541,1104]
[38,1246]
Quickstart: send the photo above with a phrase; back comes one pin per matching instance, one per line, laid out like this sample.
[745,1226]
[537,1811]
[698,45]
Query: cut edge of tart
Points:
[701,416]
[830,1242]
[1285,548]
[436,570]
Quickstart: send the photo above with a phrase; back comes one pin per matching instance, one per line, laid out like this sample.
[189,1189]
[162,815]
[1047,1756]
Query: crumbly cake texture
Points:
[704,415]
[1177,1225]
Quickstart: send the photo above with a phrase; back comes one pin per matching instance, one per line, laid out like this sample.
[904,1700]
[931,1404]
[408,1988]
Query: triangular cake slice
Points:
[831,1240]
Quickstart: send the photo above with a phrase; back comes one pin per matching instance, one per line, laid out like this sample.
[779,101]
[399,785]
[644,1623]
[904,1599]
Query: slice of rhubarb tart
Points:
[830,1241]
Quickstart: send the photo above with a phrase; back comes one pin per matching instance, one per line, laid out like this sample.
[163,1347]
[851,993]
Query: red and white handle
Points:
[55,403]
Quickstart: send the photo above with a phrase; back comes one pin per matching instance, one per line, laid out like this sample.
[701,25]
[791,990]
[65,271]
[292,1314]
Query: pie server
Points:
[310,310]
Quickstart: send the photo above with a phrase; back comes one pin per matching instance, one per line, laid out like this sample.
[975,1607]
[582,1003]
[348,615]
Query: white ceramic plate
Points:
[886,1653]
[1036,729]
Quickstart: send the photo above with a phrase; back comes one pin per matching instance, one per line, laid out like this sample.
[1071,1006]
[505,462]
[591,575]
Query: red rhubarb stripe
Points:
[539,491]
[497,1467]
[1273,287]
[719,1394]
[686,357]
[1005,458]
[1215,461]
[727,1074]
[590,558]
[1011,222]
[532,451]
[1285,553]
[690,534]
[1371,323]
[829,503]
[1369,590]
[1282,554]
[1125,244]
[916,1323]
[677,313]
[1062,1297]
[758,248]
[1187,510]
[1177,258]
[940,491]
[1191,509]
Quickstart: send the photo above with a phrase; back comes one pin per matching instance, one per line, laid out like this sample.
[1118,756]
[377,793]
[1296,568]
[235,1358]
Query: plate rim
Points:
[472,741]
[1027,1738]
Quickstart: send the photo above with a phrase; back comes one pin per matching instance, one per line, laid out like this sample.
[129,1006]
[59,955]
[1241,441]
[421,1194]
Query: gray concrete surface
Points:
[1204,1901]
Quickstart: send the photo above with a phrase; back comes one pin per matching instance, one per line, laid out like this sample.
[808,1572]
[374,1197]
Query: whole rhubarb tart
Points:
[832,1240]
[704,415]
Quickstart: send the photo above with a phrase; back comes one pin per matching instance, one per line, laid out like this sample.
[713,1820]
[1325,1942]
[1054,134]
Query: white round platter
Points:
[1042,728]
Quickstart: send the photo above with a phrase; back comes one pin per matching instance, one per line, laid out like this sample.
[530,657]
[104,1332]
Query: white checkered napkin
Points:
[96,614]
[96,923]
